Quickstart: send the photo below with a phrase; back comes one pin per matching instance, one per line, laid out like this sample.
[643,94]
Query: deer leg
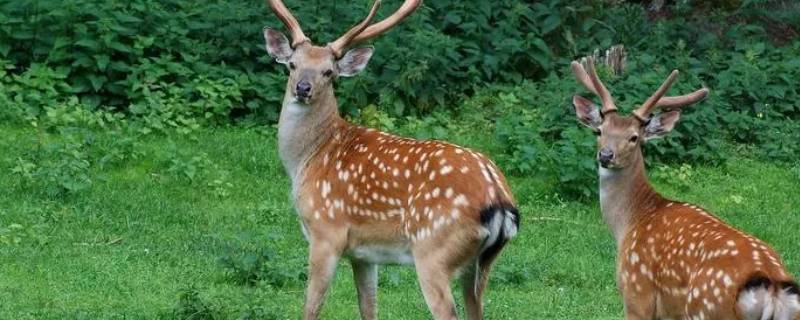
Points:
[366,277]
[472,285]
[639,306]
[323,257]
[434,280]
[437,263]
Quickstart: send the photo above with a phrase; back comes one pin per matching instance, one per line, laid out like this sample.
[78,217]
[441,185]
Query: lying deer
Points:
[675,260]
[377,198]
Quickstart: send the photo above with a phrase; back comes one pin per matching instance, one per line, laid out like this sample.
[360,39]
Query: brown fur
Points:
[368,195]
[365,187]
[675,260]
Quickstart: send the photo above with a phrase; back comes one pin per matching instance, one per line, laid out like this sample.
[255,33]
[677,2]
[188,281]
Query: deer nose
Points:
[303,89]
[605,156]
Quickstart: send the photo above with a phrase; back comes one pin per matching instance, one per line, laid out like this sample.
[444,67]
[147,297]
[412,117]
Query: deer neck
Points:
[625,196]
[303,129]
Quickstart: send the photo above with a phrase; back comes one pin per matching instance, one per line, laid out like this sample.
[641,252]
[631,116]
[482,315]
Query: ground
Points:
[144,235]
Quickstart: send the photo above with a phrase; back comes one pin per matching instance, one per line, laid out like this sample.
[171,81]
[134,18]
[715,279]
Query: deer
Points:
[374,198]
[675,260]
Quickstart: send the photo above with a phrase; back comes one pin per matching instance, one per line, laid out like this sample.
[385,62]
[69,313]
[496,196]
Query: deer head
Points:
[312,69]
[619,138]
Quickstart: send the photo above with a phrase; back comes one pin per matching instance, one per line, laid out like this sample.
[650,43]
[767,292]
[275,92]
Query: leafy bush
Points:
[58,168]
[679,176]
[538,132]
[115,53]
[143,66]
[105,52]
[260,266]
[198,168]
[70,142]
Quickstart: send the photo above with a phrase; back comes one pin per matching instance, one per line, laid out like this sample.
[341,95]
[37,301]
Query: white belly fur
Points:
[382,254]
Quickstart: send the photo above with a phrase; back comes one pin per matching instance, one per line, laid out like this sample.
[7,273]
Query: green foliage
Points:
[107,52]
[172,236]
[58,168]
[680,177]
[753,101]
[256,312]
[115,54]
[24,95]
[198,169]
[191,306]
[11,234]
[796,170]
[370,116]
[68,148]
[262,266]
[539,136]
[145,67]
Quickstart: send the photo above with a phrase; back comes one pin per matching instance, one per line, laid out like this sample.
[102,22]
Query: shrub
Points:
[144,66]
[259,266]
[58,168]
[199,169]
[113,53]
[539,134]
[70,142]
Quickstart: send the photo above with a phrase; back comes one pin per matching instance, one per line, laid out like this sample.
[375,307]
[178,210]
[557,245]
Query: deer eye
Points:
[633,139]
[327,73]
[292,66]
[597,133]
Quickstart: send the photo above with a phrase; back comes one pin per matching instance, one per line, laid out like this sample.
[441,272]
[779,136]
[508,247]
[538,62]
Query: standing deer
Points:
[375,198]
[675,260]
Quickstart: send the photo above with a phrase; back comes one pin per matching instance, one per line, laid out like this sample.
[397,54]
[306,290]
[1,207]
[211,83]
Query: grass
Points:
[145,241]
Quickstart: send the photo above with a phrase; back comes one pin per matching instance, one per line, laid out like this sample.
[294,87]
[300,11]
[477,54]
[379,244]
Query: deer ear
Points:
[278,46]
[587,112]
[661,124]
[354,61]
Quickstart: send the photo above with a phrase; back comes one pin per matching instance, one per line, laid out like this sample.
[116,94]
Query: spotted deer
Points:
[375,198]
[675,260]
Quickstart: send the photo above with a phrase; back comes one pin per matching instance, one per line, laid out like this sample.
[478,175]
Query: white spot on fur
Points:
[460,200]
[326,188]
[446,170]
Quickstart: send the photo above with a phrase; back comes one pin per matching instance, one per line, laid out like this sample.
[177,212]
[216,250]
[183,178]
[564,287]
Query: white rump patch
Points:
[756,304]
[509,225]
[492,231]
[501,219]
[787,306]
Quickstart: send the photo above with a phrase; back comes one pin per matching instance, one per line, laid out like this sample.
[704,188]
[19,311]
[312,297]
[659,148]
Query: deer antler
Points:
[375,29]
[360,32]
[643,112]
[340,44]
[378,28]
[592,82]
[289,21]
[682,101]
[657,100]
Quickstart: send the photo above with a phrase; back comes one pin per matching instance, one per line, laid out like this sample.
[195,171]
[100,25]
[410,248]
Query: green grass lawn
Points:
[144,235]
